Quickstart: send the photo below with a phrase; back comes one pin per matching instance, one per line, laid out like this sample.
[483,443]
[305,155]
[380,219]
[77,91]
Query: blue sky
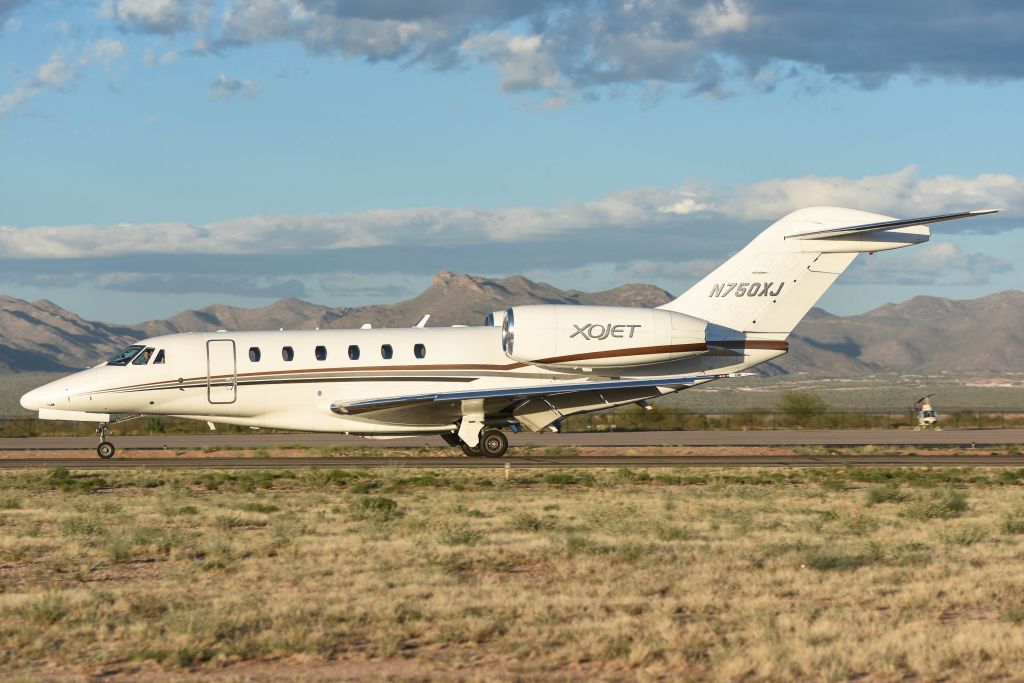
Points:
[165,154]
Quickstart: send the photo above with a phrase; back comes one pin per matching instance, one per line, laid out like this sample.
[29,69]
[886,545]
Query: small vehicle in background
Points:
[927,418]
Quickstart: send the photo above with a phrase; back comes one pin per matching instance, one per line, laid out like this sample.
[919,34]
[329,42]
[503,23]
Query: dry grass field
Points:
[713,574]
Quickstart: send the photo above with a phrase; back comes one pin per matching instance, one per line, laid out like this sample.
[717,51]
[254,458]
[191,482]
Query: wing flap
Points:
[833,233]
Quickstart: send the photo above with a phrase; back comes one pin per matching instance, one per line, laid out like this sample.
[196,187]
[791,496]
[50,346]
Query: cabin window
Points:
[320,352]
[420,351]
[386,352]
[288,353]
[254,354]
[143,358]
[353,352]
[159,357]
[125,357]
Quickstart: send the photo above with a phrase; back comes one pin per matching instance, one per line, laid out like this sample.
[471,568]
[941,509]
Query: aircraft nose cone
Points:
[33,400]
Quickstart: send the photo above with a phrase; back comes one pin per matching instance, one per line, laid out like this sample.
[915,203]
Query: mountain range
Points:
[924,334]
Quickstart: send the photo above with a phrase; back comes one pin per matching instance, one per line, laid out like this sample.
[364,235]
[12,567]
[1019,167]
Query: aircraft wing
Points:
[448,404]
[885,225]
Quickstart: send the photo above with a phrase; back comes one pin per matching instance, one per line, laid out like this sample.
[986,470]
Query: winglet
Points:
[886,225]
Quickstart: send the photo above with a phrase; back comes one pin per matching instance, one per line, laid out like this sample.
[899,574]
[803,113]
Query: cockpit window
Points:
[125,357]
[159,357]
[143,358]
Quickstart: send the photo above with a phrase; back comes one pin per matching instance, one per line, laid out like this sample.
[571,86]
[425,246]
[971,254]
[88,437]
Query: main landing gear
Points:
[106,449]
[493,444]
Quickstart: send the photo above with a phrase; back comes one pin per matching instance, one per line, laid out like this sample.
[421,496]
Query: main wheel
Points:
[105,450]
[493,443]
[470,450]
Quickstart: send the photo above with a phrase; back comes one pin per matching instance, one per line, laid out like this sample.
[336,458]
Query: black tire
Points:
[105,450]
[493,443]
[470,450]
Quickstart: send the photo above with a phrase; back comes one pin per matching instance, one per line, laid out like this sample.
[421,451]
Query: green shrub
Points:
[940,505]
[524,521]
[889,493]
[374,508]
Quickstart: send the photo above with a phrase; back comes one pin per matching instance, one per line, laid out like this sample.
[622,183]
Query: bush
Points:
[939,506]
[831,559]
[374,508]
[524,521]
[801,405]
[889,493]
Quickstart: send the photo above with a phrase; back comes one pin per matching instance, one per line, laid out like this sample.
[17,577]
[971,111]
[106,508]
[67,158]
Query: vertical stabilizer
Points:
[771,283]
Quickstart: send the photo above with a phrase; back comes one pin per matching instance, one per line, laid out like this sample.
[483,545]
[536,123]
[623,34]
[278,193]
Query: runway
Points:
[518,462]
[779,437]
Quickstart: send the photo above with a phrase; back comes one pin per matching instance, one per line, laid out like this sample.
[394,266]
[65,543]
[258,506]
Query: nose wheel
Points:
[106,449]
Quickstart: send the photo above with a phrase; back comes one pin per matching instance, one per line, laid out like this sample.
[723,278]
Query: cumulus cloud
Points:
[224,88]
[931,264]
[901,192]
[157,16]
[704,47]
[701,215]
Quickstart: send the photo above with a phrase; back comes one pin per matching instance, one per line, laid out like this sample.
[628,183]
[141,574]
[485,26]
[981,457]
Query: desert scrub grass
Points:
[937,505]
[374,508]
[526,521]
[711,574]
[887,493]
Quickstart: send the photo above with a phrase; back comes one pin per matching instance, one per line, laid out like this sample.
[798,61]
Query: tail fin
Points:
[771,283]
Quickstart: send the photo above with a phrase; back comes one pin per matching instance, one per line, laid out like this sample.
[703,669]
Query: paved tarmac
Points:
[773,437]
[515,462]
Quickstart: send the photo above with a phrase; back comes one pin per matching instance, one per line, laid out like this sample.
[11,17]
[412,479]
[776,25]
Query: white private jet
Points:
[528,367]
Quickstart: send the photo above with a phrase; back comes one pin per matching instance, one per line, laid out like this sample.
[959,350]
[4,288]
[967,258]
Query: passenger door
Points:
[221,373]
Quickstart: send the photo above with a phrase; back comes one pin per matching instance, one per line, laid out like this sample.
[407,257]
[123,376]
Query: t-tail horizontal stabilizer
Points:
[885,225]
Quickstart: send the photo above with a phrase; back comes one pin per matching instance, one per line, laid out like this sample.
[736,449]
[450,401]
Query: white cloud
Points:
[709,48]
[224,88]
[59,73]
[899,193]
[524,62]
[105,51]
[151,58]
[55,73]
[700,215]
[721,16]
[12,25]
[149,16]
[944,263]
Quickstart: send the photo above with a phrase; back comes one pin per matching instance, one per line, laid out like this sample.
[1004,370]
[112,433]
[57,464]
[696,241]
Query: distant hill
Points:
[925,334]
[41,336]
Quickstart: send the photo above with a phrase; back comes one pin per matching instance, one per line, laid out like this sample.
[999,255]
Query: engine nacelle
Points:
[600,336]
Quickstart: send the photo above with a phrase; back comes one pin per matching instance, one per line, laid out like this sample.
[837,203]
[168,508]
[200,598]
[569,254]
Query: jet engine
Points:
[599,336]
[494,318]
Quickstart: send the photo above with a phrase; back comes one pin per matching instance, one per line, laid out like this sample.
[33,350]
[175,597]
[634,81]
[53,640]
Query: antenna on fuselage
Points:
[423,321]
[366,326]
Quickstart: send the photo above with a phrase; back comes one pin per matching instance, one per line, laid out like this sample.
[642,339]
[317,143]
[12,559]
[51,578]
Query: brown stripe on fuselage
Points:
[753,344]
[639,351]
